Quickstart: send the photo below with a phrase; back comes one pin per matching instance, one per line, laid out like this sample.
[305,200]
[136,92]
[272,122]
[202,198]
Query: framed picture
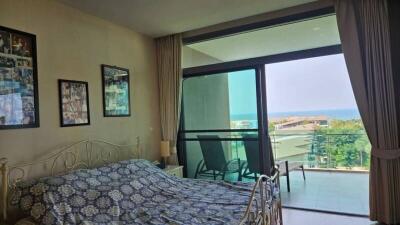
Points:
[19,104]
[74,103]
[116,100]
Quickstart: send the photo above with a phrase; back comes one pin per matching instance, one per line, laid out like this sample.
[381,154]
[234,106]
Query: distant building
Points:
[302,123]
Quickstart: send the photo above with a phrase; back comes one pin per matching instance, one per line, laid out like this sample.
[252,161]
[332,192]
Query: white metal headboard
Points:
[82,154]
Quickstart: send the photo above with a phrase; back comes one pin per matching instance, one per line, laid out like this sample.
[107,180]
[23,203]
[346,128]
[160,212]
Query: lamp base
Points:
[163,163]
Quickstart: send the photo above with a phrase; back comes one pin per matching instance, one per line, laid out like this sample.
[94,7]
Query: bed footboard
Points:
[264,206]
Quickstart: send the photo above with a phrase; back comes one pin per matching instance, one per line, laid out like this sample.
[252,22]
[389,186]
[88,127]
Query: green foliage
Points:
[344,143]
[271,126]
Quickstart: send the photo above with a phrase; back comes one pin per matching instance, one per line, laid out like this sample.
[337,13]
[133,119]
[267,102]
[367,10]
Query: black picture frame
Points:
[63,104]
[123,99]
[19,94]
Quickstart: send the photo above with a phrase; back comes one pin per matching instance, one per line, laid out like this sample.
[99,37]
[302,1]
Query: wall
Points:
[72,45]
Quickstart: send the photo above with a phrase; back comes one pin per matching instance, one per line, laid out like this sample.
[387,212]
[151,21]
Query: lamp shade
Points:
[165,149]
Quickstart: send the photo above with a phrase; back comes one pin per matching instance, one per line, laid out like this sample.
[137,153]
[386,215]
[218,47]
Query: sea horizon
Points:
[339,114]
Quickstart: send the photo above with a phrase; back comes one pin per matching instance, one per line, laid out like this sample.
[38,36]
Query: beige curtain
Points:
[170,82]
[365,35]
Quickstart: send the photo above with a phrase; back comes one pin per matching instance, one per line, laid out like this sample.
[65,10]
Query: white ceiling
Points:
[162,17]
[313,33]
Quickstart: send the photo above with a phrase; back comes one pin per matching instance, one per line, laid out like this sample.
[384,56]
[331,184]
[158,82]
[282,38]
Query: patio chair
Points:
[214,163]
[252,168]
[285,167]
[252,164]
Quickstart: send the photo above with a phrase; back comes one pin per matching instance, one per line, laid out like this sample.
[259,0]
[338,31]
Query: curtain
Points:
[365,35]
[170,81]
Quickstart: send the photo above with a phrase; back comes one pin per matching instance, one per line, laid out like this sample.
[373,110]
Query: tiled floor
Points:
[300,217]
[328,191]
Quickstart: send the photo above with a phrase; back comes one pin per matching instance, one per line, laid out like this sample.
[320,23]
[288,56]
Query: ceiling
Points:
[162,17]
[307,34]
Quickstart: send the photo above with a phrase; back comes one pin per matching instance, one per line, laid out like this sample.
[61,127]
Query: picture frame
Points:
[74,103]
[116,91]
[19,95]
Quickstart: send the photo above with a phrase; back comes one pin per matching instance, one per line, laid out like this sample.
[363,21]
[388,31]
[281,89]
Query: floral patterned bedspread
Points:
[131,192]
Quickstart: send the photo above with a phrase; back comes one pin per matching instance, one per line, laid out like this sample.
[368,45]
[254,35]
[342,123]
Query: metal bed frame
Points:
[264,207]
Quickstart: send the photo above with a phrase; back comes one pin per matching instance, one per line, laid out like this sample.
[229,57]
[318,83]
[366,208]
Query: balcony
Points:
[336,165]
[343,192]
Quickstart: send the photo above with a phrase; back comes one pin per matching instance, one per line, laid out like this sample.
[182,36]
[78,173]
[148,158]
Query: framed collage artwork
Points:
[116,93]
[19,104]
[74,103]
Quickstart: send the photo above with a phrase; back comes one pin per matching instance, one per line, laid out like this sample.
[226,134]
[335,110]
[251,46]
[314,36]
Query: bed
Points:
[96,186]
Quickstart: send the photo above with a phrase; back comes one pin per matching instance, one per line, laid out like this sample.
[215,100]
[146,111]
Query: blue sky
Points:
[320,83]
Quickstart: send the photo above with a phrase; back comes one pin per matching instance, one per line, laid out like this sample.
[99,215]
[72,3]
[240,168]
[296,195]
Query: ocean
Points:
[339,114]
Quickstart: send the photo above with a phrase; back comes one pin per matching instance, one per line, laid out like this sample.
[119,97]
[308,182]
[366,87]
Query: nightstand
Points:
[174,170]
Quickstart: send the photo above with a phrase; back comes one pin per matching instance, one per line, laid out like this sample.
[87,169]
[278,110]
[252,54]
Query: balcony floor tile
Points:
[328,191]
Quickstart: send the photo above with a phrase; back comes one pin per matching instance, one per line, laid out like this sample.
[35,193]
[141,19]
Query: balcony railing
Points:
[315,149]
[323,150]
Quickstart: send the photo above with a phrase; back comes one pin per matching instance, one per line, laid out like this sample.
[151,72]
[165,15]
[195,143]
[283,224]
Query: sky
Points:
[320,83]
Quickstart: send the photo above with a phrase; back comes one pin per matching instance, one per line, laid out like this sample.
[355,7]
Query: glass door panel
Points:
[314,122]
[220,132]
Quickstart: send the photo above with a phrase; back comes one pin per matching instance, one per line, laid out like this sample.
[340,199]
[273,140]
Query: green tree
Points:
[343,143]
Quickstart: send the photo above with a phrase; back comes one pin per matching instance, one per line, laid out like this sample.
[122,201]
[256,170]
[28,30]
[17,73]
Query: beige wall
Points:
[72,45]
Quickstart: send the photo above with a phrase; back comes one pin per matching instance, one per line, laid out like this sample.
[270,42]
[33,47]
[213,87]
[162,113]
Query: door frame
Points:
[257,64]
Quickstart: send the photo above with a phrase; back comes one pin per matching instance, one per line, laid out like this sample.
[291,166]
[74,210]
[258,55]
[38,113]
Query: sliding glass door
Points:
[220,126]
[314,124]
[304,102]
[297,91]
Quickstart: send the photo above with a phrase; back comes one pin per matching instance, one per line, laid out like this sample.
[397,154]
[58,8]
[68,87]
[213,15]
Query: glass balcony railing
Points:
[221,149]
[320,150]
[315,150]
